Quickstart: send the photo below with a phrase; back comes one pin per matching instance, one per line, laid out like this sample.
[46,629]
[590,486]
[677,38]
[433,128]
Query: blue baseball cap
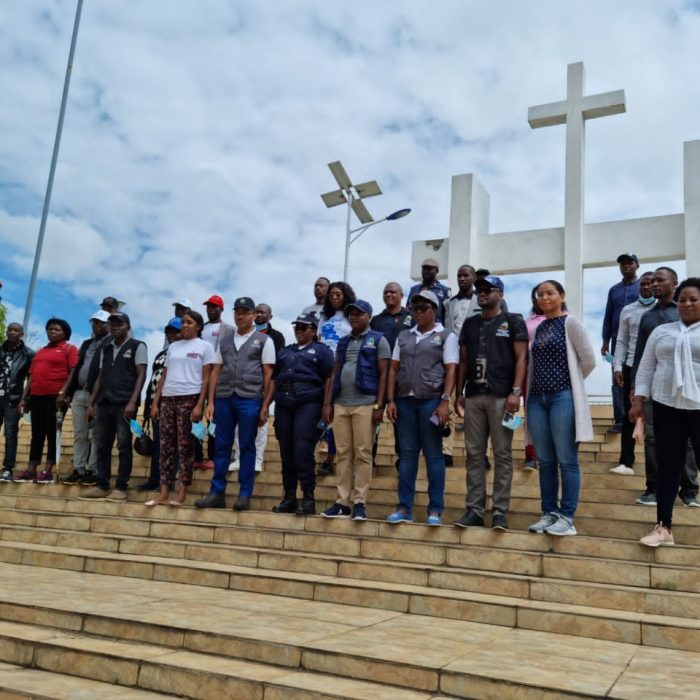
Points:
[360,305]
[490,281]
[175,322]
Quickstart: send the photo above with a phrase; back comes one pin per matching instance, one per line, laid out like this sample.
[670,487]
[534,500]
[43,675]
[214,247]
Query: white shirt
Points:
[185,361]
[627,331]
[458,310]
[268,356]
[210,333]
[450,348]
[656,370]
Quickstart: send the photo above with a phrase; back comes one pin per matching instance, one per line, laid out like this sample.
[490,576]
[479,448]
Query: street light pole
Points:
[52,168]
[352,196]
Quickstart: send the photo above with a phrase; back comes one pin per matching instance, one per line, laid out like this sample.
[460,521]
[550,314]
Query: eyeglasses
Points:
[421,308]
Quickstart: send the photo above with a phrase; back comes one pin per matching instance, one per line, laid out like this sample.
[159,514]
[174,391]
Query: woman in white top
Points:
[179,402]
[669,373]
[334,326]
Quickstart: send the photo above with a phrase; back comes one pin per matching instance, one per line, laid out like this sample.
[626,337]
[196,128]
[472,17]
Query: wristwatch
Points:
[445,397]
[378,407]
[517,391]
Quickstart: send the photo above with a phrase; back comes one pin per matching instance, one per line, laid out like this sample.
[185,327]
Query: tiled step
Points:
[204,644]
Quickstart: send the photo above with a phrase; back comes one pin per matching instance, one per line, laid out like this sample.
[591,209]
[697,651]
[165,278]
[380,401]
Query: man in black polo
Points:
[493,360]
[114,402]
[79,391]
[15,358]
[395,317]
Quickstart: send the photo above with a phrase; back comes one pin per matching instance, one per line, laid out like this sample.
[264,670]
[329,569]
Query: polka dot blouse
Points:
[550,368]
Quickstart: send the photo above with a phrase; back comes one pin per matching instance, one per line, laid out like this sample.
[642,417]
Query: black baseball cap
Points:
[244,303]
[627,256]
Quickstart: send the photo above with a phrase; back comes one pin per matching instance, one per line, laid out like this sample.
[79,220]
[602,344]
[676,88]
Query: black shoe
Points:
[147,486]
[307,506]
[72,479]
[211,500]
[470,520]
[286,505]
[613,429]
[88,479]
[359,512]
[448,460]
[326,469]
[499,522]
[242,503]
[6,476]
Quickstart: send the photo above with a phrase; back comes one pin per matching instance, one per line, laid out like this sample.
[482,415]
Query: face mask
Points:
[646,302]
[261,326]
[136,429]
[199,430]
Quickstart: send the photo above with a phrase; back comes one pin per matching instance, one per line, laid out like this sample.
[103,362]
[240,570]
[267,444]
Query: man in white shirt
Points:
[239,395]
[215,307]
[421,380]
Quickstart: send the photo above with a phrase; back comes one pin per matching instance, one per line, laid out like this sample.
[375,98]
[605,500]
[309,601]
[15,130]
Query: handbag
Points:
[143,445]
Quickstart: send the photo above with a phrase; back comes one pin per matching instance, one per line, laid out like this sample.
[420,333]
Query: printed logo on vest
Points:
[257,341]
[436,339]
[311,351]
[408,321]
[128,353]
[503,331]
[371,343]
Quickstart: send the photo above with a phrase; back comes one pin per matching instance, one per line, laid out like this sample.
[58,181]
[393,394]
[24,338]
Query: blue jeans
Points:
[552,425]
[417,433]
[229,413]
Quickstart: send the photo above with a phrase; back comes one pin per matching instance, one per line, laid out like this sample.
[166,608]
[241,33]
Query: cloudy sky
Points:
[198,132]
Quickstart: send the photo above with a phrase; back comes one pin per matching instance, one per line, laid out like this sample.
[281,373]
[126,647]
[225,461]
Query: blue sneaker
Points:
[434,519]
[399,516]
[337,510]
[359,512]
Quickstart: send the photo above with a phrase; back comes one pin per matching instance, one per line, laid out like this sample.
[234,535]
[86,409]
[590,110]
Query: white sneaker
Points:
[621,469]
[562,527]
[258,466]
[660,535]
[544,522]
[234,466]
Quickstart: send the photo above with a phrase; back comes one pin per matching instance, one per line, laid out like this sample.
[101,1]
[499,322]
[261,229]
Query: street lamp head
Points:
[398,214]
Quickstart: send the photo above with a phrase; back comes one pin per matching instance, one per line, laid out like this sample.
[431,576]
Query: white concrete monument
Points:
[576,245]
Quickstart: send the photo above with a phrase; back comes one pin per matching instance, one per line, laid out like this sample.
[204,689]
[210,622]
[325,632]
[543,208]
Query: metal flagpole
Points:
[52,169]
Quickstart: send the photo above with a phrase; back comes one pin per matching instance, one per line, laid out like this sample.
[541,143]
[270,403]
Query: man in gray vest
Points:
[421,380]
[239,396]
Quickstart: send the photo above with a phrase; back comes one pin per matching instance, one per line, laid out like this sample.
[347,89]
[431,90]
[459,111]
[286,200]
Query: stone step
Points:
[193,641]
[18,682]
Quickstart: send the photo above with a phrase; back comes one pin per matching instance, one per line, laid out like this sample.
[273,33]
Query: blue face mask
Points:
[199,430]
[261,326]
[646,302]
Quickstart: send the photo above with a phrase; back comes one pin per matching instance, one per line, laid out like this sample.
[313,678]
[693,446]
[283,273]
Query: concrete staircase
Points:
[116,600]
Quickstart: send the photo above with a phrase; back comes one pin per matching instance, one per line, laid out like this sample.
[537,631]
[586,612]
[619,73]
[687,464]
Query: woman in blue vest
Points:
[300,378]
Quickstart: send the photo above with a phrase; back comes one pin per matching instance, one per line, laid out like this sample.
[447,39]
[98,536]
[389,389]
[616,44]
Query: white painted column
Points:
[573,190]
[469,219]
[691,192]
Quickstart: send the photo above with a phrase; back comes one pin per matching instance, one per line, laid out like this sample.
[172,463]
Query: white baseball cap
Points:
[100,316]
[183,302]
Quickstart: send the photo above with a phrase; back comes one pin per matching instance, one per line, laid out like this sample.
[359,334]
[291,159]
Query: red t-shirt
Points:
[50,368]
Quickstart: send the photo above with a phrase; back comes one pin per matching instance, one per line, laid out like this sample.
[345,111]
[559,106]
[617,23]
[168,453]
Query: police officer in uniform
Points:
[299,381]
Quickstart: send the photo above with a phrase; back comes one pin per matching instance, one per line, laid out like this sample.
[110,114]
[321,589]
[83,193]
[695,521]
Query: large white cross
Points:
[576,245]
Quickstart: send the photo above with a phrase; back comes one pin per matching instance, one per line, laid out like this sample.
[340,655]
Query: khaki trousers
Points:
[354,435]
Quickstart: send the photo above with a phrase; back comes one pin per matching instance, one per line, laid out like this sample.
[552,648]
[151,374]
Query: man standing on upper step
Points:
[429,270]
[465,303]
[79,392]
[664,281]
[15,358]
[620,295]
[492,370]
[625,347]
[320,292]
[114,402]
[239,396]
[354,404]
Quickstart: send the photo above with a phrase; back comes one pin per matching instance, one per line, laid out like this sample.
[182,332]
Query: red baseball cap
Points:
[214,299]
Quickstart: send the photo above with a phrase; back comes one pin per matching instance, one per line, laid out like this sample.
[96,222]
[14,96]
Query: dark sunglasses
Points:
[302,326]
[422,308]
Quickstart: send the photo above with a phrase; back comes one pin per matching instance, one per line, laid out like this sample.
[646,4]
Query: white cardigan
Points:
[581,360]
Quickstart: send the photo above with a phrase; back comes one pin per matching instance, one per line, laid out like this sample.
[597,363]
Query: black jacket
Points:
[21,360]
[94,370]
[277,339]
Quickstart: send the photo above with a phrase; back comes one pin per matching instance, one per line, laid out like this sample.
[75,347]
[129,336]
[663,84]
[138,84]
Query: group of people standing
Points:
[423,366]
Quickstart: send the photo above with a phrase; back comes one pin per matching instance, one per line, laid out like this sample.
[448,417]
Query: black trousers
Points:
[110,422]
[674,429]
[9,417]
[297,434]
[43,414]
[689,473]
[626,439]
